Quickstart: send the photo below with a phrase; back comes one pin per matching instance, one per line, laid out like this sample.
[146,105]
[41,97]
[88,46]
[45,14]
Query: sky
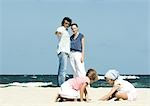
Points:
[117,35]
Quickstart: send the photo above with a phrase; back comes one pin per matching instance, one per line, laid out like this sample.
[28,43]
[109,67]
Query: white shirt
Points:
[63,40]
[125,86]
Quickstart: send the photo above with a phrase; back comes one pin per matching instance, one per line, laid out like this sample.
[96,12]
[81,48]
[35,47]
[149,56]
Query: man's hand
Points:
[58,33]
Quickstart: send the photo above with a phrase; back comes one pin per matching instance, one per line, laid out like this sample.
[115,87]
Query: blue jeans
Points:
[63,60]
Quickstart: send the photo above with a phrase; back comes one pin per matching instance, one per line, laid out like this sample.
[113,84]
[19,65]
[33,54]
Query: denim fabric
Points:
[63,60]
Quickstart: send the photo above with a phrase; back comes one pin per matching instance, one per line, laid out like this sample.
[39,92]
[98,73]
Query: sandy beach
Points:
[38,96]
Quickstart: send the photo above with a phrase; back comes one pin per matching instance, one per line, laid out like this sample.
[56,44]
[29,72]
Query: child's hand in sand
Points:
[105,98]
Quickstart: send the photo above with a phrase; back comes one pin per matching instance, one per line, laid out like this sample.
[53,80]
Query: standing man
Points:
[63,48]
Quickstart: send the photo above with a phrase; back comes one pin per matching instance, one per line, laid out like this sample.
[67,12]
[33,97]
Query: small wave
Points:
[34,77]
[129,77]
[29,84]
[122,77]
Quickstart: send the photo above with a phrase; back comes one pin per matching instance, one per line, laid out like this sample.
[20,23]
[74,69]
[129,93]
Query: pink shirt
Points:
[78,81]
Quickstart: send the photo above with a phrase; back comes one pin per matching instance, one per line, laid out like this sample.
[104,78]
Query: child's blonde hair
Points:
[92,74]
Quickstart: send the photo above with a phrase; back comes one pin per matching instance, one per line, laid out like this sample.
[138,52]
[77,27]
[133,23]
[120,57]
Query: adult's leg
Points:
[63,58]
[79,66]
[73,64]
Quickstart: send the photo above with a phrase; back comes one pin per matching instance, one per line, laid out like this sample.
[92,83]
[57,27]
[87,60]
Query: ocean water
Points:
[139,81]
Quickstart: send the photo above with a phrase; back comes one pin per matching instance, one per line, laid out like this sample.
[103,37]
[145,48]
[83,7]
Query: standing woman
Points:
[77,52]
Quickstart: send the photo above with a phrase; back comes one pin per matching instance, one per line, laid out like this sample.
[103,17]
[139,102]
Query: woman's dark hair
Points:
[74,24]
[67,19]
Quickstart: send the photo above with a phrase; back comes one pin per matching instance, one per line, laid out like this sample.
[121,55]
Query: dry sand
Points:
[37,96]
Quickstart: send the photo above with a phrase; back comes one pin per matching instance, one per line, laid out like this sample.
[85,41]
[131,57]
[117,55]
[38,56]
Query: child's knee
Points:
[117,94]
[121,95]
